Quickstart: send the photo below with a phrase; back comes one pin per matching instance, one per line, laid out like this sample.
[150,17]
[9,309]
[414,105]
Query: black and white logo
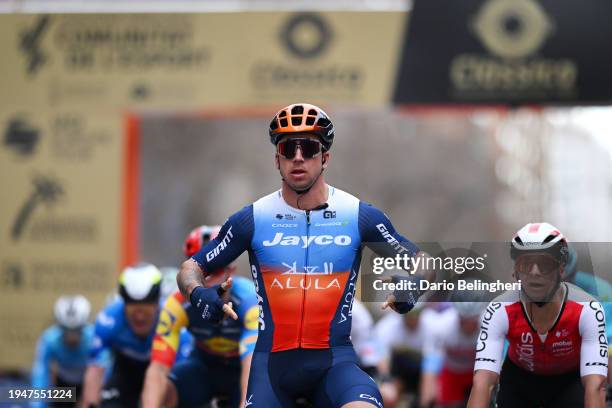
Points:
[29,45]
[46,191]
[329,214]
[21,137]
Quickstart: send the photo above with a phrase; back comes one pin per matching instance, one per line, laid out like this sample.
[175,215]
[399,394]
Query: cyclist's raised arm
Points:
[593,354]
[489,352]
[378,234]
[233,239]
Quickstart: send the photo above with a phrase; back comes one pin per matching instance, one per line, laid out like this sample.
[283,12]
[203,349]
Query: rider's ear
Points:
[324,161]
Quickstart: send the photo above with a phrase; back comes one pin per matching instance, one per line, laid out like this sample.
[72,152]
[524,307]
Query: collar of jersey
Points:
[330,193]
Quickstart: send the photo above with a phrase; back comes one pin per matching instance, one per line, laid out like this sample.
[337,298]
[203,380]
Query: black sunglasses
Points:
[288,148]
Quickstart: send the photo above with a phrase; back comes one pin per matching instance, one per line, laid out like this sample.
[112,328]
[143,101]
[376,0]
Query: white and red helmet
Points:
[540,237]
[199,237]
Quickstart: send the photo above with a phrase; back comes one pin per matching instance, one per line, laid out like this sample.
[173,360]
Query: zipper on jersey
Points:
[305,284]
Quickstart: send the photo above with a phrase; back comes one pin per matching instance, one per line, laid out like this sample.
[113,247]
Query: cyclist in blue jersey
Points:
[304,244]
[123,336]
[61,352]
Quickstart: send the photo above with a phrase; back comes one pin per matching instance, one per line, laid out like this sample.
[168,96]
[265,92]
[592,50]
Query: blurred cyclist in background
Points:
[123,336]
[364,339]
[400,340]
[304,244]
[62,350]
[449,353]
[220,362]
[558,349]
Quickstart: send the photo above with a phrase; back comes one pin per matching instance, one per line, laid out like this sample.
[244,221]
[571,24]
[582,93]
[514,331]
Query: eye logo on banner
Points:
[306,35]
[21,137]
[512,31]
[512,28]
[29,45]
[305,60]
[506,52]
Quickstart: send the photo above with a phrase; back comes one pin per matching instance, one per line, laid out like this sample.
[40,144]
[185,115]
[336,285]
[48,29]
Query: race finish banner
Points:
[507,52]
[198,61]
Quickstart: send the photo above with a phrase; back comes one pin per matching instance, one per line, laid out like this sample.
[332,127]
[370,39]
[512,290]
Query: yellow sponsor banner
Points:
[195,61]
[66,81]
[60,218]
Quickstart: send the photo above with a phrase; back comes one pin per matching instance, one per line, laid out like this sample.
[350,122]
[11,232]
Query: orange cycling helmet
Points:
[302,118]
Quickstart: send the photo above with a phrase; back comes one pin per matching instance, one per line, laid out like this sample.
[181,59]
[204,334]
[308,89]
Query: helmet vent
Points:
[297,110]
[283,122]
[274,125]
[282,114]
[310,120]
[548,239]
[296,120]
[312,112]
[519,241]
[323,122]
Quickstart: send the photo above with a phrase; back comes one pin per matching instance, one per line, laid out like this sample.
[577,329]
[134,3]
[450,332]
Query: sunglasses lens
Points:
[288,148]
[546,264]
[310,148]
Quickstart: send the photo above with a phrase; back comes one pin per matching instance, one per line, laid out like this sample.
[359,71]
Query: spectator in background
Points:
[400,340]
[448,356]
[61,352]
[364,339]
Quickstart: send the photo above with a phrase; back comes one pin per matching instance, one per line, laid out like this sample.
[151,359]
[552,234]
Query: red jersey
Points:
[576,340]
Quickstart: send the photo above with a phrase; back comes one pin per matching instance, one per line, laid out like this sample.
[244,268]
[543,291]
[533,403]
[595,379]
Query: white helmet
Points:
[540,237]
[72,312]
[140,283]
